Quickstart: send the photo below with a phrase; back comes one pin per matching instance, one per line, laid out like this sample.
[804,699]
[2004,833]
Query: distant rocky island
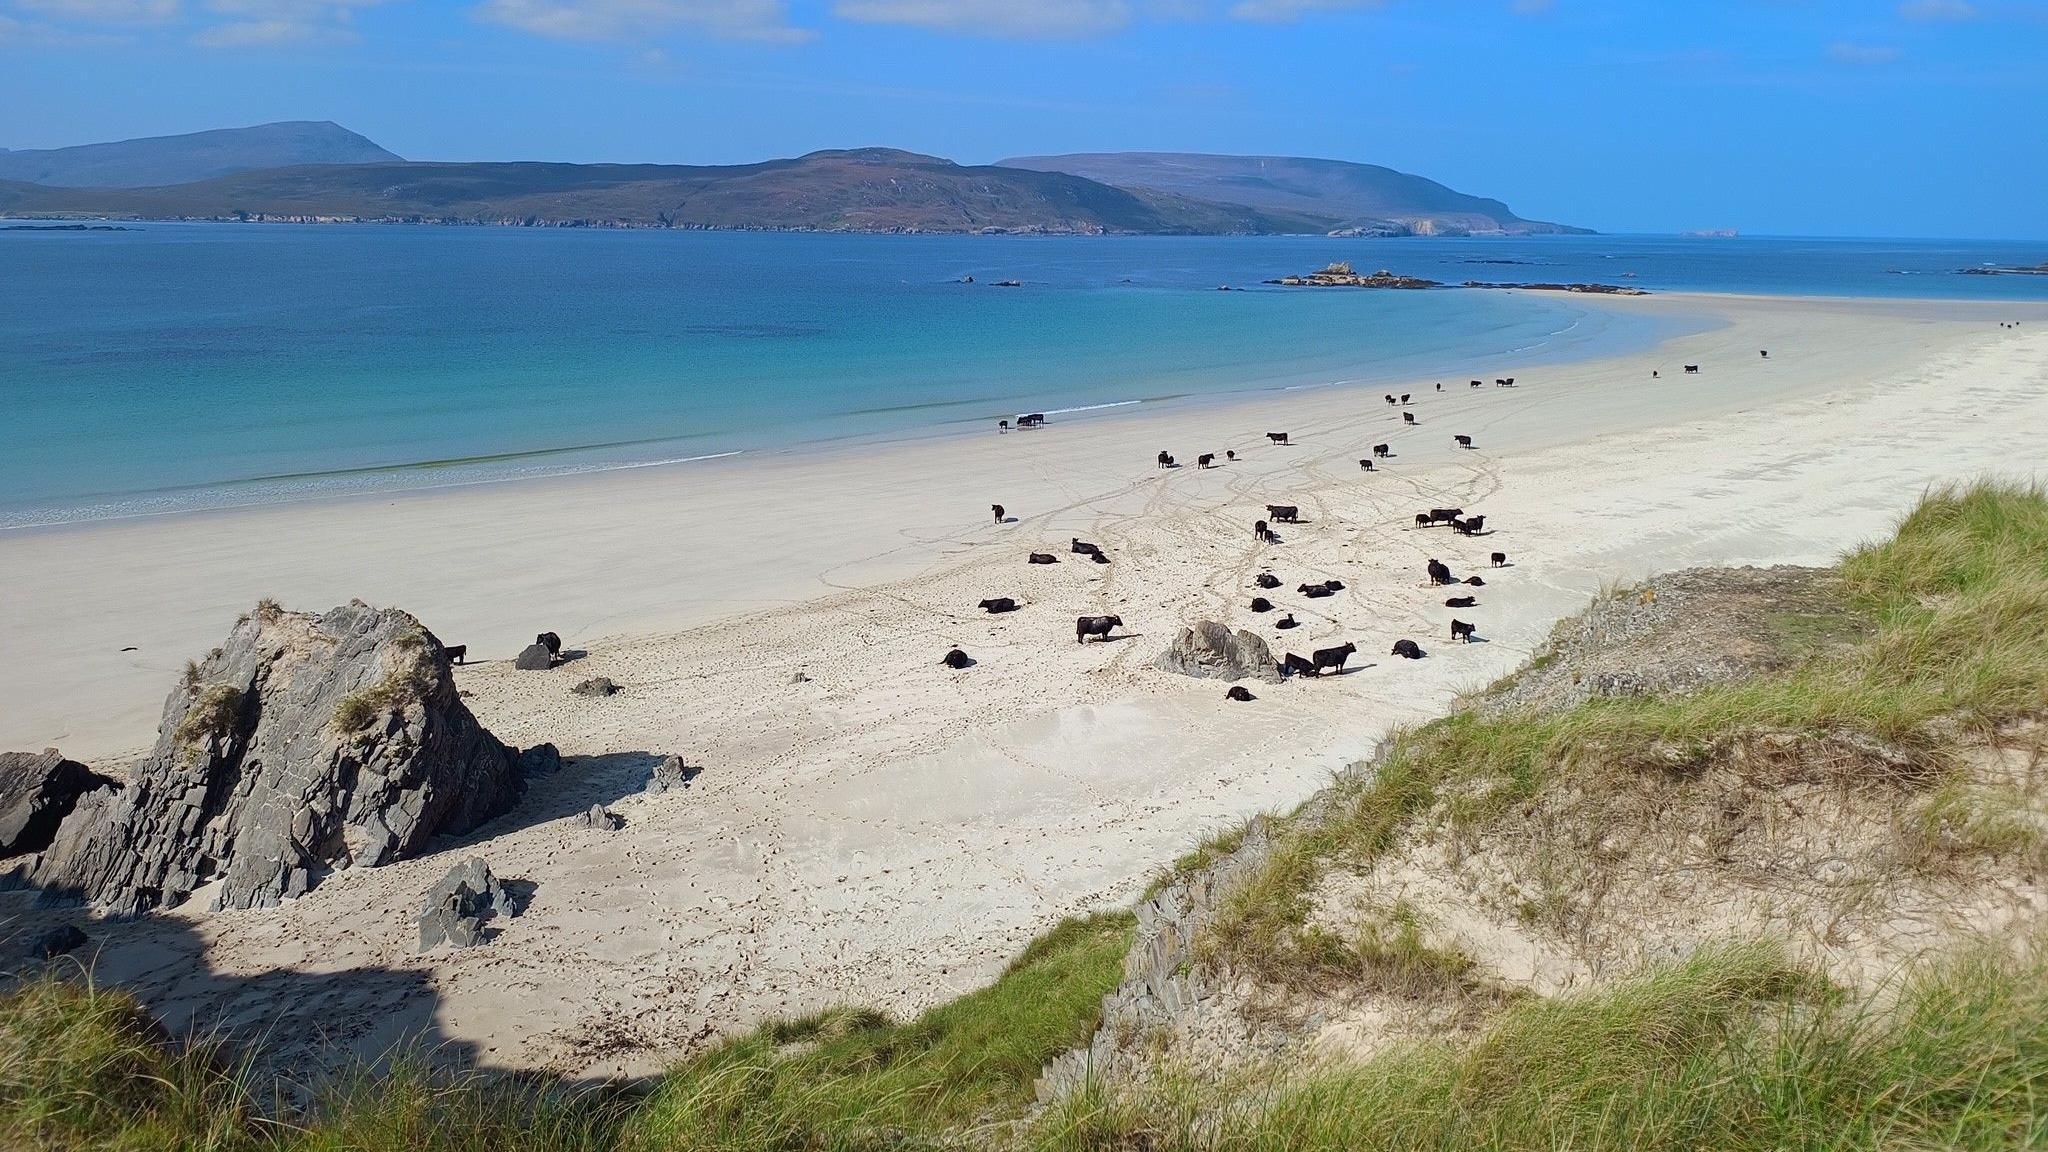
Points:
[2040,269]
[1342,275]
[63,228]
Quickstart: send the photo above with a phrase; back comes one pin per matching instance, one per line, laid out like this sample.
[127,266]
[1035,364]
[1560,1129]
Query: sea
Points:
[164,367]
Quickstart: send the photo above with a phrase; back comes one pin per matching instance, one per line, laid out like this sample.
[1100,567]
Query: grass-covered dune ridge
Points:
[1781,908]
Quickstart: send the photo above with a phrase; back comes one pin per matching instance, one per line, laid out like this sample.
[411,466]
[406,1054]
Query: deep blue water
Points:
[190,365]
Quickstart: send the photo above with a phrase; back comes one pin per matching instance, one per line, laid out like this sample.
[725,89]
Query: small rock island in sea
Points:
[1340,275]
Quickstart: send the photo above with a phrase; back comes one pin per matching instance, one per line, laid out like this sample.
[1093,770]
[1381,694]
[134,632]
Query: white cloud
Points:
[1015,19]
[106,11]
[637,19]
[1852,53]
[1933,11]
[1288,11]
[271,23]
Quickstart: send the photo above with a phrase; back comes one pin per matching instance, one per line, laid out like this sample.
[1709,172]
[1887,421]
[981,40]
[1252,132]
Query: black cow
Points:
[1044,558]
[1764,352]
[1383,450]
[457,653]
[1263,533]
[1390,400]
[1471,527]
[1316,591]
[1284,513]
[1366,464]
[1478,383]
[1422,520]
[1286,621]
[1408,649]
[1692,369]
[1266,580]
[1166,459]
[998,510]
[1475,581]
[1500,559]
[1333,657]
[1461,631]
[956,660]
[1083,548]
[1031,420]
[1439,386]
[1239,693]
[1205,460]
[1498,382]
[1277,437]
[1230,453]
[1462,602]
[1002,426]
[1404,397]
[1261,604]
[1440,573]
[552,642]
[1442,515]
[1462,441]
[1407,417]
[1292,665]
[1098,626]
[1509,382]
[999,604]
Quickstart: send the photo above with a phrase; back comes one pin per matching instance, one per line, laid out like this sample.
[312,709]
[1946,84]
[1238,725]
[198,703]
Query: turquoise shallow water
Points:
[188,366]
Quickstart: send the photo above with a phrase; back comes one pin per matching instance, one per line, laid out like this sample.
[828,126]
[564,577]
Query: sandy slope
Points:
[889,831]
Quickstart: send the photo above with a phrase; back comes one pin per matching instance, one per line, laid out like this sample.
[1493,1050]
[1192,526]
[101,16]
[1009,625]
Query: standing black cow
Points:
[1230,453]
[1462,441]
[1477,383]
[1277,437]
[1383,450]
[1284,513]
[1440,573]
[457,653]
[1404,397]
[1407,417]
[1500,559]
[1292,665]
[1166,460]
[1333,657]
[1096,626]
[1205,460]
[1471,527]
[1390,400]
[1366,464]
[1692,369]
[998,510]
[551,642]
[1408,649]
[1461,631]
[1262,532]
[1002,426]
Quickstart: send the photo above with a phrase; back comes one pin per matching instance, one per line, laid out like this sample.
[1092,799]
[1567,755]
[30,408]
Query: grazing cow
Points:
[1031,420]
[1440,573]
[1286,621]
[1408,650]
[1500,559]
[1292,665]
[1205,460]
[1462,602]
[1407,417]
[1166,460]
[1266,580]
[1262,533]
[1390,400]
[956,660]
[1404,397]
[1083,548]
[1422,520]
[1500,382]
[1044,558]
[1097,626]
[1462,441]
[458,653]
[1461,631]
[1366,464]
[1511,382]
[1239,693]
[998,510]
[1692,369]
[998,604]
[1277,437]
[1478,383]
[1316,591]
[1261,604]
[1333,657]
[1383,450]
[1475,581]
[552,642]
[1002,426]
[1470,527]
[1284,513]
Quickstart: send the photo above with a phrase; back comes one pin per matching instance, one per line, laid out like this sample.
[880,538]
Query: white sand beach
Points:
[888,832]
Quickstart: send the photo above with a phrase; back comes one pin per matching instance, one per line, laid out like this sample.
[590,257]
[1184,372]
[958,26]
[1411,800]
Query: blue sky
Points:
[1921,118]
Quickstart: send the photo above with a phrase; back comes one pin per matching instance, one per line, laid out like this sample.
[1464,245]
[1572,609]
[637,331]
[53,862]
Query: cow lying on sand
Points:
[1461,602]
[1096,626]
[1286,621]
[998,604]
[1239,693]
[1044,558]
[1261,604]
[1083,548]
[1266,580]
[1475,581]
[956,660]
[1408,650]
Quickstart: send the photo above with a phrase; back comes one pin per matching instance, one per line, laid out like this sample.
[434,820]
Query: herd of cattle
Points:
[1101,628]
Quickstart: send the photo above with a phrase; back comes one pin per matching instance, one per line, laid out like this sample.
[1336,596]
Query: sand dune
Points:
[889,831]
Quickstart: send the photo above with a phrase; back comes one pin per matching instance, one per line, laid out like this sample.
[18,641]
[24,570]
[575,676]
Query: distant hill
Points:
[863,190]
[159,160]
[1363,197]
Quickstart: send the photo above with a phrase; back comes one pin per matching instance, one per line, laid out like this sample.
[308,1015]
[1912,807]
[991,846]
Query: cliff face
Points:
[303,744]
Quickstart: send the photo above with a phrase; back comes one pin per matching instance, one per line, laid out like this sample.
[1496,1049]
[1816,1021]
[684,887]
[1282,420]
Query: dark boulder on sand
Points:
[1211,650]
[670,775]
[37,791]
[534,658]
[304,744]
[459,909]
[595,686]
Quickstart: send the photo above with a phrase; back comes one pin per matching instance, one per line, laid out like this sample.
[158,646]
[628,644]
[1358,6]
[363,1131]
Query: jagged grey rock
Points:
[304,744]
[457,910]
[534,658]
[596,686]
[671,773]
[1211,650]
[37,791]
[601,818]
[540,760]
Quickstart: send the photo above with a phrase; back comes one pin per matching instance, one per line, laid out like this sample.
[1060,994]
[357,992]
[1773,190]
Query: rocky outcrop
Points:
[37,791]
[595,686]
[534,658]
[458,910]
[1212,650]
[670,775]
[601,818]
[302,745]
